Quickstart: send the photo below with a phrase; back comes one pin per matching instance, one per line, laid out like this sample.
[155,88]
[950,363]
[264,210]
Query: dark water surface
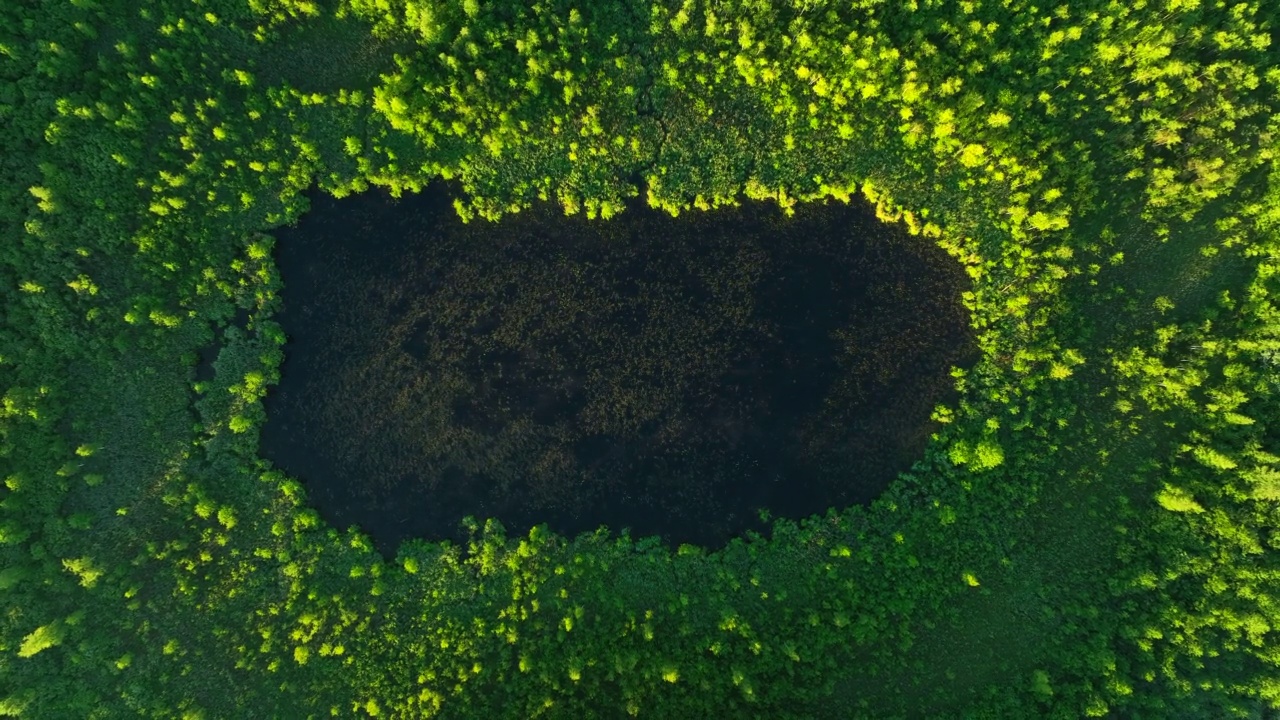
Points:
[671,376]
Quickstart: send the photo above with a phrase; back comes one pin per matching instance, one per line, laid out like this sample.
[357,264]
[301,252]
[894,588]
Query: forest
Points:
[1091,529]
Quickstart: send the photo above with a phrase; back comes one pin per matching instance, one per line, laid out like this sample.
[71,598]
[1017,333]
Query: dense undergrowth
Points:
[1093,532]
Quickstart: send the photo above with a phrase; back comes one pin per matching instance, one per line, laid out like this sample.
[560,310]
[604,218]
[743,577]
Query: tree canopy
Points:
[1092,531]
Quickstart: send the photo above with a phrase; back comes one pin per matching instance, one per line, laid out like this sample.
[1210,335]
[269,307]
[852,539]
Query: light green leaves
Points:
[41,639]
[1176,499]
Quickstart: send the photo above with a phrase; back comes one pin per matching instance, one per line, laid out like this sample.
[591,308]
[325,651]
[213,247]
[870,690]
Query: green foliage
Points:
[1106,173]
[41,639]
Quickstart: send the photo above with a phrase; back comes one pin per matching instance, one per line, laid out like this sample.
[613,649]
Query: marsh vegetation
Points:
[673,376]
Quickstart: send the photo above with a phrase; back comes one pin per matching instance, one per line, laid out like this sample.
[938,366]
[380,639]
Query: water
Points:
[670,376]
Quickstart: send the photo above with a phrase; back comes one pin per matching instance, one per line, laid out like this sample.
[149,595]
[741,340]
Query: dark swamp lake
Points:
[673,376]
